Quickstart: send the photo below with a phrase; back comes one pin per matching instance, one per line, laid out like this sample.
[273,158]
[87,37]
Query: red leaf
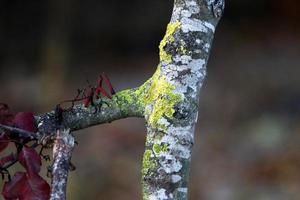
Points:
[6,159]
[30,159]
[87,102]
[4,140]
[108,83]
[13,188]
[6,117]
[100,80]
[100,90]
[25,120]
[26,187]
[36,188]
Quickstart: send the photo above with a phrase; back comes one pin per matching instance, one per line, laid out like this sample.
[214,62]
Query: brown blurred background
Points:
[247,139]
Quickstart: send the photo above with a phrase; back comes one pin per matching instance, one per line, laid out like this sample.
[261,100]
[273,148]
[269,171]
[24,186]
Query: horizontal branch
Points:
[122,105]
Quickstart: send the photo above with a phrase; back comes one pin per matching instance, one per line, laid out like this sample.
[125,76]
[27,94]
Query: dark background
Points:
[247,138]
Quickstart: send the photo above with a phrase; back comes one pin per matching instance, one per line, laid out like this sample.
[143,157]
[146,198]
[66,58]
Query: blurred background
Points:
[247,137]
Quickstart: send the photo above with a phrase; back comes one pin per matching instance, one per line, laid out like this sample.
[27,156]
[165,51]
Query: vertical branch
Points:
[172,99]
[62,152]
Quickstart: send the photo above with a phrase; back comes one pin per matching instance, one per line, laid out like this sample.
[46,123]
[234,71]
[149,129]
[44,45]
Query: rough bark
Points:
[123,104]
[172,109]
[62,152]
[169,101]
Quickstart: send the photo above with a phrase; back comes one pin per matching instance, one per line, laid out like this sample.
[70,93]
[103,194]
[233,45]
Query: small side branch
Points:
[62,152]
[23,133]
[123,104]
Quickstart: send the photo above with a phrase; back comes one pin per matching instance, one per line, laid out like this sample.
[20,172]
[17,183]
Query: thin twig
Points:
[21,132]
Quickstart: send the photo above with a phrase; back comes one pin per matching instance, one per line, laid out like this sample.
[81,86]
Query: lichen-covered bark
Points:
[171,104]
[62,152]
[123,104]
[169,101]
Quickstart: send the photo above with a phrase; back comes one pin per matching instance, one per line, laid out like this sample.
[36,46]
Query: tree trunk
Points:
[172,98]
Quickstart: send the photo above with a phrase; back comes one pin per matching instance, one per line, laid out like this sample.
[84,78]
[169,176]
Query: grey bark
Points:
[62,153]
[169,101]
[183,58]
[123,104]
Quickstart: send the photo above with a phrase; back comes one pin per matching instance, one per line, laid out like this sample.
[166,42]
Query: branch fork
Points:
[169,102]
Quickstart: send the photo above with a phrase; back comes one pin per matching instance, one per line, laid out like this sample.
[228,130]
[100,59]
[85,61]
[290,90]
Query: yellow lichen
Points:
[155,98]
[171,28]
[162,98]
[147,163]
[125,96]
[157,148]
[183,49]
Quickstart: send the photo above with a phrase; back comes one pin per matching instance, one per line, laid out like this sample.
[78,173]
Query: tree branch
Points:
[62,152]
[21,132]
[122,105]
[169,100]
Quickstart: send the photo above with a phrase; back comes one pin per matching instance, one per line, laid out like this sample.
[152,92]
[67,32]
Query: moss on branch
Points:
[122,105]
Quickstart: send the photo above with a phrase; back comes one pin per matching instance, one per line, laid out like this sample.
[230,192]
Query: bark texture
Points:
[173,96]
[123,104]
[62,153]
[169,101]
